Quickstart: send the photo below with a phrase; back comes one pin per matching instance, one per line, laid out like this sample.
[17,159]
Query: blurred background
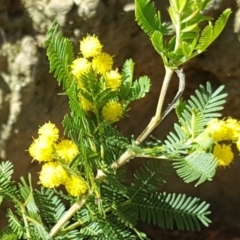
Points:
[29,94]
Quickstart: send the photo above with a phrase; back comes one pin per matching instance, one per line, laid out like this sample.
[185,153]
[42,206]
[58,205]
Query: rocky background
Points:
[29,94]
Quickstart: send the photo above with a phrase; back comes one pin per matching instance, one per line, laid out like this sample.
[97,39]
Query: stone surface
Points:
[28,93]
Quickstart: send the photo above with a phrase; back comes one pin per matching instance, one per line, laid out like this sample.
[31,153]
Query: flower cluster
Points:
[222,132]
[94,60]
[49,149]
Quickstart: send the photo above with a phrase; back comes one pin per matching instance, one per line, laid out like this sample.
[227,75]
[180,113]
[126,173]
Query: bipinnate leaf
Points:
[210,33]
[140,87]
[198,166]
[147,17]
[170,210]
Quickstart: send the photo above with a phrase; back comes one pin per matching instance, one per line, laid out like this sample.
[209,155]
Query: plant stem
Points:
[178,32]
[74,208]
[157,117]
[25,222]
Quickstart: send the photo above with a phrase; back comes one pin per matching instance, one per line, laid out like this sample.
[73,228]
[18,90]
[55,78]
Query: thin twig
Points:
[157,117]
[181,87]
[25,222]
[74,208]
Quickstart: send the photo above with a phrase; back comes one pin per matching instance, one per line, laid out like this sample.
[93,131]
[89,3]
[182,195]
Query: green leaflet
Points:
[147,17]
[188,40]
[198,166]
[60,55]
[169,210]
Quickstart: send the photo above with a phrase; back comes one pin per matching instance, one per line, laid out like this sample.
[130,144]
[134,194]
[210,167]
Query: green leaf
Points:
[169,210]
[149,176]
[200,109]
[198,166]
[50,206]
[140,88]
[147,17]
[7,188]
[157,42]
[15,224]
[60,55]
[7,234]
[26,192]
[127,77]
[175,144]
[210,33]
[187,49]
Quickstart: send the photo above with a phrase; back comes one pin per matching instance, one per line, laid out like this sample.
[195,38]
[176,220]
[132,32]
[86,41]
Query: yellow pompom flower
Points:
[217,129]
[224,154]
[80,66]
[85,104]
[61,174]
[42,149]
[90,46]
[233,127]
[67,150]
[113,80]
[75,186]
[238,144]
[102,63]
[221,130]
[49,130]
[48,177]
[112,111]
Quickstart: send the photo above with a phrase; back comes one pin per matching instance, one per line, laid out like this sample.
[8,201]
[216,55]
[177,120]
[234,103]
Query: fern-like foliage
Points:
[7,187]
[210,32]
[188,40]
[139,88]
[50,206]
[132,90]
[169,210]
[176,145]
[199,165]
[15,224]
[149,176]
[147,16]
[7,234]
[193,117]
[60,55]
[201,108]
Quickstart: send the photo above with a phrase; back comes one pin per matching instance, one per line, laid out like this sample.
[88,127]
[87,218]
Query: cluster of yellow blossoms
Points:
[48,149]
[224,133]
[93,58]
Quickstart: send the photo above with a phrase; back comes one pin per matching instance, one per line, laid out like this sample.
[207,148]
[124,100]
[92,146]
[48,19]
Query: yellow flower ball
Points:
[113,80]
[112,111]
[238,144]
[102,63]
[85,104]
[217,130]
[42,149]
[80,66]
[224,154]
[48,177]
[233,129]
[49,130]
[67,150]
[90,46]
[75,186]
[60,174]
